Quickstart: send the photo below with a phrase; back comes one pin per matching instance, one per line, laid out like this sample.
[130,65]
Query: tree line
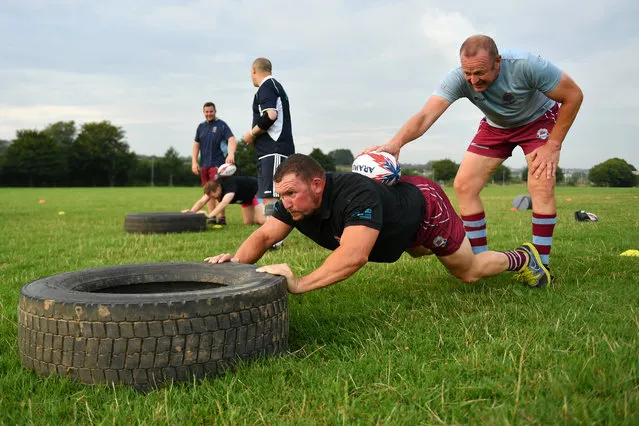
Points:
[97,154]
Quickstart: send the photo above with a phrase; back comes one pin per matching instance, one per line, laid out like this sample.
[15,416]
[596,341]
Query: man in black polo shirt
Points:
[362,220]
[271,131]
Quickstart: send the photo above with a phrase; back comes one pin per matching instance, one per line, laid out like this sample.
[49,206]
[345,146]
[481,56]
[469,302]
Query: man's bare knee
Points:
[465,187]
[467,277]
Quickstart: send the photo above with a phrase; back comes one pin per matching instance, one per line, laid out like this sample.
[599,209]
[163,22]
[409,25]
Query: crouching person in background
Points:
[232,190]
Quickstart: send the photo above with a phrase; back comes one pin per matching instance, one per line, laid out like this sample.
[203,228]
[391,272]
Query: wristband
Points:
[252,134]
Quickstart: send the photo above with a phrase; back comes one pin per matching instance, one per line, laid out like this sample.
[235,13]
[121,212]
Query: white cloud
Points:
[355,71]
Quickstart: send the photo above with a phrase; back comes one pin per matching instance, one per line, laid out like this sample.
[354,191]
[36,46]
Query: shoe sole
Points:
[535,254]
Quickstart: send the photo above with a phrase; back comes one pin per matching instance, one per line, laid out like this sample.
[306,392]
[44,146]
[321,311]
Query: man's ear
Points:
[317,185]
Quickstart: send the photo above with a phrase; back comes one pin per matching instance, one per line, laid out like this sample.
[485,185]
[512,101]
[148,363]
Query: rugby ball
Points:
[379,166]
[226,170]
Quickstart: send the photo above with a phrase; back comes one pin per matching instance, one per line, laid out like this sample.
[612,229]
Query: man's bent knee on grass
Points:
[362,220]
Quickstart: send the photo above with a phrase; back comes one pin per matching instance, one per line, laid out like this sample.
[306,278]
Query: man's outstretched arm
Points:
[254,247]
[356,244]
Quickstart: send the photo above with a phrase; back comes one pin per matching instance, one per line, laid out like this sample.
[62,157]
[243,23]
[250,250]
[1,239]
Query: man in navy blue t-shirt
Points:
[271,132]
[212,138]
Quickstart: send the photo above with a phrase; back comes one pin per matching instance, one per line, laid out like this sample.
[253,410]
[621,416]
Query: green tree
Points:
[245,160]
[4,145]
[613,172]
[411,172]
[501,174]
[62,132]
[342,157]
[100,156]
[577,178]
[142,174]
[444,170]
[326,161]
[171,164]
[34,159]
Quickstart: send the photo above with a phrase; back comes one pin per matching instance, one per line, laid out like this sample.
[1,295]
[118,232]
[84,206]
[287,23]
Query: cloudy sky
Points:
[355,71]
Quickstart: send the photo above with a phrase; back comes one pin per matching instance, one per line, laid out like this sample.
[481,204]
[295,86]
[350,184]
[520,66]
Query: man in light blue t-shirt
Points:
[519,94]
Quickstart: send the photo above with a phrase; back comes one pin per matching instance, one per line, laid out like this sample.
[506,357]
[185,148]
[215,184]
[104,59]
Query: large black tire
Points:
[112,325]
[164,222]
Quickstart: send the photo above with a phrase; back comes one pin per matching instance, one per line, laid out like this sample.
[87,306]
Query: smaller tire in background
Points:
[164,222]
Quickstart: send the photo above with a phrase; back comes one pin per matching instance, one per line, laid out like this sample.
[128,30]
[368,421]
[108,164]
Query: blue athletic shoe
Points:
[533,274]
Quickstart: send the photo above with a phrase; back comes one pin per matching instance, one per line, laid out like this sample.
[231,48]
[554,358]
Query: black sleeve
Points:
[365,209]
[280,213]
[267,96]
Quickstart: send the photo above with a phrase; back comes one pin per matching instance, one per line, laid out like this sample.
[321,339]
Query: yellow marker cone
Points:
[630,253]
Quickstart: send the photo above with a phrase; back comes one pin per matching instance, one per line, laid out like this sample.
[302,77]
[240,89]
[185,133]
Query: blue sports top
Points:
[517,97]
[210,136]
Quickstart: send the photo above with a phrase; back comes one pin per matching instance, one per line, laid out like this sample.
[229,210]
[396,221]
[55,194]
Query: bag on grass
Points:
[584,216]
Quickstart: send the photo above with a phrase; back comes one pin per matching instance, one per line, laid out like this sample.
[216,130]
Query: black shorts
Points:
[266,166]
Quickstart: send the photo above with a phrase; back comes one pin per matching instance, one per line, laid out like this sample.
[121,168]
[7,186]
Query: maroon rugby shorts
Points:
[441,230]
[499,143]
[207,174]
[251,203]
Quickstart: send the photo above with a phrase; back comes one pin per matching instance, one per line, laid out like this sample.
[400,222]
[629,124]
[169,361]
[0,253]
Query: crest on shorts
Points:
[214,129]
[542,134]
[508,98]
[439,241]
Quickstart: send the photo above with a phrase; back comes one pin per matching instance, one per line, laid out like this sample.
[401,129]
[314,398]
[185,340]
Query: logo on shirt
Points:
[214,129]
[508,98]
[439,241]
[542,134]
[366,214]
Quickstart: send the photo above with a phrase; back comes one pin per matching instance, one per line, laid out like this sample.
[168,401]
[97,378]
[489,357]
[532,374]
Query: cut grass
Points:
[403,343]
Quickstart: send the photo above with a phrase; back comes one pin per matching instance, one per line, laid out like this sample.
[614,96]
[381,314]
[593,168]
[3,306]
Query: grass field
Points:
[403,343]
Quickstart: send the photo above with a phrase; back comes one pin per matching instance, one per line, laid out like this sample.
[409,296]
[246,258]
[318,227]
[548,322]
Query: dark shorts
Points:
[207,174]
[499,143]
[442,230]
[251,203]
[266,166]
